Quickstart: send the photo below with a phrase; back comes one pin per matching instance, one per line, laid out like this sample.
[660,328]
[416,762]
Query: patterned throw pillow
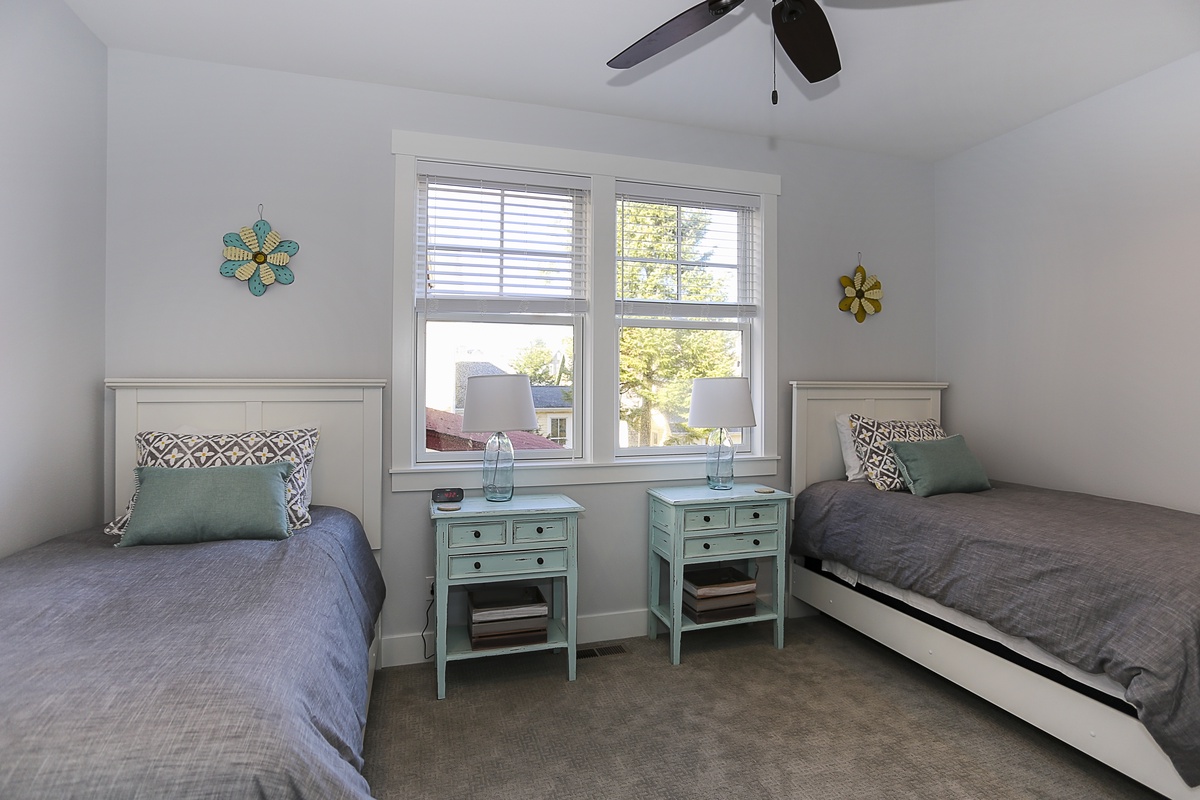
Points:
[871,437]
[297,446]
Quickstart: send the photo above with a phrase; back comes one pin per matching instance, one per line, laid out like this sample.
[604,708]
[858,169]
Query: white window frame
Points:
[597,427]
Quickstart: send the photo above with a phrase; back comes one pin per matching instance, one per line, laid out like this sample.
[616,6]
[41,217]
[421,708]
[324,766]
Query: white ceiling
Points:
[920,78]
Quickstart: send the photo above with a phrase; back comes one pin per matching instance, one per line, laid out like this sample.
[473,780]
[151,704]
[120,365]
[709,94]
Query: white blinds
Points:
[686,254]
[490,245]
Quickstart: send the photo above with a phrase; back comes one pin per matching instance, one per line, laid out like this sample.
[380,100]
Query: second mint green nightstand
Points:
[691,525]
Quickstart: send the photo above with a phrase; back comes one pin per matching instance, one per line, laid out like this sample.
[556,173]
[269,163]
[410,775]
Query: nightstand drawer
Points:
[753,516]
[730,543]
[706,519]
[465,566]
[660,540]
[479,533]
[542,530]
[661,514]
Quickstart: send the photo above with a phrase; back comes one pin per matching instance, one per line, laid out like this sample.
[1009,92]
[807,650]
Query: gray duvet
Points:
[1108,586]
[220,670]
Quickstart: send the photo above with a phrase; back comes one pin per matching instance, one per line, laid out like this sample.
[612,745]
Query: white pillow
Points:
[854,465]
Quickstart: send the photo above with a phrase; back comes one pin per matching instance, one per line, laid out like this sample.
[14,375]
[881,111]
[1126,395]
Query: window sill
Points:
[550,474]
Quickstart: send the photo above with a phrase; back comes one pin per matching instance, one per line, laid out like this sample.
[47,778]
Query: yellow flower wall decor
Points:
[864,294]
[258,256]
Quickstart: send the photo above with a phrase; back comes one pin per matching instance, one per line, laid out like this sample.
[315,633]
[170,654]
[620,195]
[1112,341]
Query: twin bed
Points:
[234,668]
[1078,614]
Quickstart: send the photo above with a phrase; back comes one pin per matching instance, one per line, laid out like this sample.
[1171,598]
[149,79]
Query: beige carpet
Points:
[832,715]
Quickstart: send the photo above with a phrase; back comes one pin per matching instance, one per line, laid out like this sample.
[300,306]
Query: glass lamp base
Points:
[718,460]
[498,468]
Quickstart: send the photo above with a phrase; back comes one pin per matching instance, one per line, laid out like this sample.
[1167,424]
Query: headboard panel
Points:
[816,452]
[348,470]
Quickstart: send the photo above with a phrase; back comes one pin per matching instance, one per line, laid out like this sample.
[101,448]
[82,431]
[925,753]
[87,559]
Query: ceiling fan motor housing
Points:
[791,10]
[721,7]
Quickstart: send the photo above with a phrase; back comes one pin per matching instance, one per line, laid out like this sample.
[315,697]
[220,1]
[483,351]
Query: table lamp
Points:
[720,404]
[498,403]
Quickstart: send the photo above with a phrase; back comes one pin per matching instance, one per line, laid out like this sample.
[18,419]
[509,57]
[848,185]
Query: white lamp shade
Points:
[498,403]
[721,403]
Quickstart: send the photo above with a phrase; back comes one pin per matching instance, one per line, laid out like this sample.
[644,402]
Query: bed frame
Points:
[1093,727]
[348,470]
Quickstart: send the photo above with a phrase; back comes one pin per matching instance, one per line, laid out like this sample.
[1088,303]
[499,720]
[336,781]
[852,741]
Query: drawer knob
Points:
[477,565]
[541,560]
[707,545]
[707,518]
[478,534]
[756,542]
[756,515]
[540,529]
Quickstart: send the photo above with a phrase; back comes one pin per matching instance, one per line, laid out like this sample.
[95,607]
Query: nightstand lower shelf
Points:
[762,612]
[458,643]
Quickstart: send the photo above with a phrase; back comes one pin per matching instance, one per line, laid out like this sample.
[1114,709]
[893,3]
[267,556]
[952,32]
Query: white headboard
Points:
[816,452]
[348,470]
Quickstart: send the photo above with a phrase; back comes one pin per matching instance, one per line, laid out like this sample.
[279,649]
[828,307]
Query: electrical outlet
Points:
[429,583]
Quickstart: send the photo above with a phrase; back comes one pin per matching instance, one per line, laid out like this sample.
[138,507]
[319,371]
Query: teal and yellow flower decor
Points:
[258,256]
[864,293]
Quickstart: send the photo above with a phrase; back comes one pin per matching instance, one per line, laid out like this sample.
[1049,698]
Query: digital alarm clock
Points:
[447,495]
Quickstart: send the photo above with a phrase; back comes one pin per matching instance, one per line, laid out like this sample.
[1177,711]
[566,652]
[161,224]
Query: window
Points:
[612,282]
[558,430]
[500,287]
[685,281]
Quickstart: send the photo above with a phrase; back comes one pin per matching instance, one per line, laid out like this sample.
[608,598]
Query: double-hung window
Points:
[611,281]
[500,287]
[686,262]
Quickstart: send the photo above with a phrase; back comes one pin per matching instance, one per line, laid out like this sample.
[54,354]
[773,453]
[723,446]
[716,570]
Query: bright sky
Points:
[450,342]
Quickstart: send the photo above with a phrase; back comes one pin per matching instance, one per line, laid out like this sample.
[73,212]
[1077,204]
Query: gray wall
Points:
[195,147]
[52,162]
[1068,267]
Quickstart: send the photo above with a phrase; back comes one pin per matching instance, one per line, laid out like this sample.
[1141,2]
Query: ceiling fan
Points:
[800,28]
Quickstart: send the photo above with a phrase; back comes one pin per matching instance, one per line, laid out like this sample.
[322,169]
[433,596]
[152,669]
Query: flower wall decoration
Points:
[864,294]
[258,256]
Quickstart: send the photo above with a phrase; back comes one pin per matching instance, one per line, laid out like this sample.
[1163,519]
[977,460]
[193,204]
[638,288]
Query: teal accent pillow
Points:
[183,506]
[939,466]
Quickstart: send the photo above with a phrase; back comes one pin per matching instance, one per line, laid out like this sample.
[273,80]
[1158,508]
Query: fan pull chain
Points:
[774,90]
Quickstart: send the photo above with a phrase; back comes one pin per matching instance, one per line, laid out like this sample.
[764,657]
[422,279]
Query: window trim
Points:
[597,431]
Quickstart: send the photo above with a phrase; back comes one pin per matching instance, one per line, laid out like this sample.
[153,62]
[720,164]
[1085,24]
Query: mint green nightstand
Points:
[691,525]
[530,537]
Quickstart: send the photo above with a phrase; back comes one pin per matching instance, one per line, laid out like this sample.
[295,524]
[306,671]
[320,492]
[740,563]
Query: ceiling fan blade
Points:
[695,19]
[805,35]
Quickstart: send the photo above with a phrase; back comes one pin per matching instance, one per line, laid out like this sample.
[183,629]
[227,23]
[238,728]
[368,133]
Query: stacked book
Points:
[506,616]
[718,593]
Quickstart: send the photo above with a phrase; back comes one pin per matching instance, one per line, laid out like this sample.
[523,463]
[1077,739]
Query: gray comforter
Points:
[1108,586]
[221,670]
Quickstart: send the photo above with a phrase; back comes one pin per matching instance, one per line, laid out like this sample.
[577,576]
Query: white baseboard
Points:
[408,648]
[608,627]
